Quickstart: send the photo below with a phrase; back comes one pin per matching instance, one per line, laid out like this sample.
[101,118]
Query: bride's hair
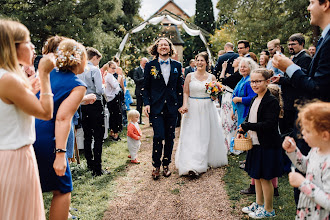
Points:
[205,55]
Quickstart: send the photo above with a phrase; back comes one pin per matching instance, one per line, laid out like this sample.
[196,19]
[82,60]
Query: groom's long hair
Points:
[153,48]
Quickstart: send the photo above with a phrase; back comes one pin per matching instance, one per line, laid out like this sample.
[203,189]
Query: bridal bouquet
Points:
[214,88]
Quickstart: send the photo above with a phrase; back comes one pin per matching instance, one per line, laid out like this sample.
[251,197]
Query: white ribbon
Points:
[157,20]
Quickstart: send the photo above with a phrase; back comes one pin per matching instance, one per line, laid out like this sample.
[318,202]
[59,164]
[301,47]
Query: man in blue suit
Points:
[229,56]
[162,95]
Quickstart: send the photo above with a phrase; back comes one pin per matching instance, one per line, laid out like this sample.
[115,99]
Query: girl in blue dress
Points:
[52,135]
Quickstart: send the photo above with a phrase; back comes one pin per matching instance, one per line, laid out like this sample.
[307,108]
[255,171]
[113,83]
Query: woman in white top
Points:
[112,90]
[20,192]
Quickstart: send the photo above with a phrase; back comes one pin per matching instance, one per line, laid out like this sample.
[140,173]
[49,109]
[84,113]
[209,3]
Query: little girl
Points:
[133,135]
[264,160]
[314,199]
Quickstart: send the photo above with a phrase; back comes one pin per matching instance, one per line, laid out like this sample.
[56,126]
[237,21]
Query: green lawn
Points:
[90,194]
[237,179]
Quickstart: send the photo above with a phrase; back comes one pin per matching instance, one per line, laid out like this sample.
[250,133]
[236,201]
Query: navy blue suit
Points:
[230,56]
[164,101]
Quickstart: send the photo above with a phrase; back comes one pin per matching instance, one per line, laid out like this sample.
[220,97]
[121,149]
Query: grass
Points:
[90,195]
[237,179]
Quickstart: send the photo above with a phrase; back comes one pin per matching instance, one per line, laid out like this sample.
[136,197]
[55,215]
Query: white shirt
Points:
[112,87]
[16,127]
[166,69]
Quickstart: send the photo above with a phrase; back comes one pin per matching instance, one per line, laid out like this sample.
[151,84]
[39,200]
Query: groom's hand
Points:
[147,110]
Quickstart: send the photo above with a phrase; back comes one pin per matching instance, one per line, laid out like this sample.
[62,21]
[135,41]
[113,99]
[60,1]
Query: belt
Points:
[199,97]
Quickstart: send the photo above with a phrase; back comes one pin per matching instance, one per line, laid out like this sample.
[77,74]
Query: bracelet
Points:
[47,93]
[58,150]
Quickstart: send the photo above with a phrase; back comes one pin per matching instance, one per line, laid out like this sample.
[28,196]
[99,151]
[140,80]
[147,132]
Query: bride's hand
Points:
[183,109]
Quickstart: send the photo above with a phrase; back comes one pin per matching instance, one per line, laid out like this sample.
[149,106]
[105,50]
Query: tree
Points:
[263,20]
[204,18]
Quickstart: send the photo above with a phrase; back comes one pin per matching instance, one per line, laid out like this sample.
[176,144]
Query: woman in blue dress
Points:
[52,135]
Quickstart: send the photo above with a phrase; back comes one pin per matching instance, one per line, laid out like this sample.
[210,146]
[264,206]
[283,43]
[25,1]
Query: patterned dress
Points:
[314,199]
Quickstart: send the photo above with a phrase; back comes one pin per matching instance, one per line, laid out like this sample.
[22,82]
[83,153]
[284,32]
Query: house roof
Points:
[168,4]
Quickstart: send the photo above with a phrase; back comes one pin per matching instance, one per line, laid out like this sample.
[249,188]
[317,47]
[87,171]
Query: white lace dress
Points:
[201,143]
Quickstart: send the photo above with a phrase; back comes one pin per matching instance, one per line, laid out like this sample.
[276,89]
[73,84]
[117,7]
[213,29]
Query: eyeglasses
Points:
[292,44]
[240,48]
[257,82]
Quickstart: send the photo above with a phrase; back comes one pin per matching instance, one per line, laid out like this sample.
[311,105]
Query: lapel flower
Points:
[154,72]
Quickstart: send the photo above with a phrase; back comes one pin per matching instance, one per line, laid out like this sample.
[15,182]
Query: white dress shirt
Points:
[166,69]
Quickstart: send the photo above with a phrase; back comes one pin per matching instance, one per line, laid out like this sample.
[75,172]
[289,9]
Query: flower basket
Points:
[243,144]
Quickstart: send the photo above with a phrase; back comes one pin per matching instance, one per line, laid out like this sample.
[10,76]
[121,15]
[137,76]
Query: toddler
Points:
[314,199]
[133,135]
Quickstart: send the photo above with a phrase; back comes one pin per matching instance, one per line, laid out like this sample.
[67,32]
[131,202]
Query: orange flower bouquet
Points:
[215,88]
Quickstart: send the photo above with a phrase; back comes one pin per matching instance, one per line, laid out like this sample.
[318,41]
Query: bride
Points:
[201,137]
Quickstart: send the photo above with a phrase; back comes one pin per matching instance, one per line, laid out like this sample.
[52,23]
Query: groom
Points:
[162,96]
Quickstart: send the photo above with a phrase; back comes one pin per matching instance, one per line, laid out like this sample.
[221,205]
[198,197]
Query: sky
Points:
[149,7]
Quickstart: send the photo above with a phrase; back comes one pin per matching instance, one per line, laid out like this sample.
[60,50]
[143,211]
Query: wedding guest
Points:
[134,135]
[138,77]
[121,79]
[312,50]
[264,160]
[20,194]
[274,46]
[190,68]
[230,81]
[112,92]
[314,120]
[69,90]
[104,72]
[243,48]
[263,61]
[201,131]
[93,115]
[254,57]
[243,93]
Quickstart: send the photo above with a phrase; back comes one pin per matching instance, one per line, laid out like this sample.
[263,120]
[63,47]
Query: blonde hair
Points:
[52,43]
[11,34]
[131,114]
[276,91]
[69,55]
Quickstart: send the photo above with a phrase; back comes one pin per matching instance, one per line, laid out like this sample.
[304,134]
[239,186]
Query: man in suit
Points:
[243,48]
[296,45]
[311,50]
[315,82]
[190,68]
[229,56]
[162,96]
[138,77]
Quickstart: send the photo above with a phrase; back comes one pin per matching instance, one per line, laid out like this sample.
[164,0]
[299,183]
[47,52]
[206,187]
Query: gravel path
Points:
[140,197]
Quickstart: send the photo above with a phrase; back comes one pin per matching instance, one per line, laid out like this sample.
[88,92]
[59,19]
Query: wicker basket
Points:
[243,144]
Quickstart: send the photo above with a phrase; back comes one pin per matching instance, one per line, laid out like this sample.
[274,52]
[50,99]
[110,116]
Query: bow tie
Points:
[164,62]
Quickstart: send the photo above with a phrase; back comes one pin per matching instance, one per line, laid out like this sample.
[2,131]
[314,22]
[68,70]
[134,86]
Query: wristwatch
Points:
[57,150]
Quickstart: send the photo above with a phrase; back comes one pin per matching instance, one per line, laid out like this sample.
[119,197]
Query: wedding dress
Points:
[201,142]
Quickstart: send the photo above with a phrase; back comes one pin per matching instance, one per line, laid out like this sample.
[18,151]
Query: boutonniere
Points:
[154,72]
[175,70]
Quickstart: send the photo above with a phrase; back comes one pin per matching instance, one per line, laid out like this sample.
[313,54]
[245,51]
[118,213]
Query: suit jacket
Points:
[187,70]
[316,81]
[156,93]
[230,56]
[267,122]
[289,92]
[138,77]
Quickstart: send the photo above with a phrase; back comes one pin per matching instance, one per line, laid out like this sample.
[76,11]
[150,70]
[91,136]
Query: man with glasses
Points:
[243,48]
[274,46]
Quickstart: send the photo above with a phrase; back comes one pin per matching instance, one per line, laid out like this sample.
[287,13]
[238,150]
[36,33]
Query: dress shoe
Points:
[156,173]
[193,173]
[135,161]
[101,172]
[166,171]
[249,191]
